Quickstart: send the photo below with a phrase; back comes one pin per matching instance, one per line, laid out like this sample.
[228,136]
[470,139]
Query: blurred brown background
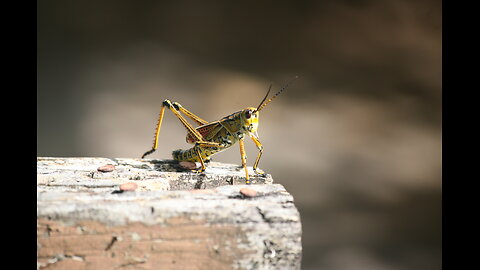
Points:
[356,140]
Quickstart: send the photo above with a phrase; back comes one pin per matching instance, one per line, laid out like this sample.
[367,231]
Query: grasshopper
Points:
[213,137]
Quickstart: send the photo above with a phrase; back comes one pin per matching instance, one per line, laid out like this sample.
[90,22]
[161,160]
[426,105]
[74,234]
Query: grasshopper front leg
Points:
[254,137]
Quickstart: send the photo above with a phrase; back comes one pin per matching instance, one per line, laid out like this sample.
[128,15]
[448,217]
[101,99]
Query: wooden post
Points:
[100,213]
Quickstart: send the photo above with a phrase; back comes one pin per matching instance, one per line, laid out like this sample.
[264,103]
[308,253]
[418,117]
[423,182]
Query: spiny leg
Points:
[173,107]
[191,130]
[244,159]
[259,145]
[198,137]
[157,132]
[192,116]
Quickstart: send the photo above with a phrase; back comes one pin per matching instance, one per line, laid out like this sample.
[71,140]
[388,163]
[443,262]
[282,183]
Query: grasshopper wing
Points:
[208,131]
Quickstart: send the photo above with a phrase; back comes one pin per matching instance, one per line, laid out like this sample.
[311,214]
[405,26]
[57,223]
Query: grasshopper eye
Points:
[248,114]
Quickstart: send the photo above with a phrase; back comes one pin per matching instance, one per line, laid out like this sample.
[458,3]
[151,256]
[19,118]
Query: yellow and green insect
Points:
[213,137]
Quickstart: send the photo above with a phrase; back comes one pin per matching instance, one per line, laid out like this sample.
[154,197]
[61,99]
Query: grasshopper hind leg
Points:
[176,108]
[148,152]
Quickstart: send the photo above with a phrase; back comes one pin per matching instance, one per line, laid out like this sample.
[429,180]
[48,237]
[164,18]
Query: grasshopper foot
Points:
[200,171]
[148,152]
[260,172]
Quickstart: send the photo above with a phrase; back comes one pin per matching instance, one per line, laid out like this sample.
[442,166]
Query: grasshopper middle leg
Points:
[244,160]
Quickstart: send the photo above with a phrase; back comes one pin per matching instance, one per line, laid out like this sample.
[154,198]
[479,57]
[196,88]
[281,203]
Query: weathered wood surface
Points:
[174,219]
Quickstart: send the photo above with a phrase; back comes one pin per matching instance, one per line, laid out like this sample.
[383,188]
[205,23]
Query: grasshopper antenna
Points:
[268,92]
[262,105]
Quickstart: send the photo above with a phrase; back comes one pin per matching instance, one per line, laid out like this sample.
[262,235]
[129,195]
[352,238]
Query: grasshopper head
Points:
[250,115]
[249,118]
